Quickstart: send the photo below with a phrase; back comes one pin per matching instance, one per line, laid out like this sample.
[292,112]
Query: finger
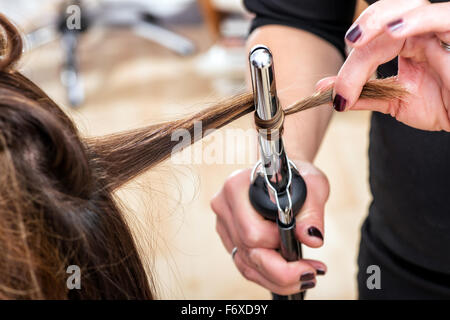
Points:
[224,236]
[320,267]
[444,36]
[225,222]
[440,62]
[372,21]
[220,207]
[310,220]
[254,275]
[431,18]
[277,270]
[440,58]
[325,83]
[253,230]
[359,67]
[383,106]
[226,228]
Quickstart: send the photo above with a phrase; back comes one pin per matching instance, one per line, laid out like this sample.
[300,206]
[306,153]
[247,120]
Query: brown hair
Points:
[56,206]
[56,203]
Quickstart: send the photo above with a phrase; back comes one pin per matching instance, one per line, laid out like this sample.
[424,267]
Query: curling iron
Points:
[277,190]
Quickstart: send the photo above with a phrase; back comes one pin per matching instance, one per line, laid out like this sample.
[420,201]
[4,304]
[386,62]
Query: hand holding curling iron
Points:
[239,225]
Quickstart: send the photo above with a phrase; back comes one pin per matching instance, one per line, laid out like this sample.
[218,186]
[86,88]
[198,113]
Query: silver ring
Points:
[445,45]
[233,252]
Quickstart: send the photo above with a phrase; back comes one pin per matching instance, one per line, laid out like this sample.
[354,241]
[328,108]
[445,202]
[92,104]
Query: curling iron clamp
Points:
[277,190]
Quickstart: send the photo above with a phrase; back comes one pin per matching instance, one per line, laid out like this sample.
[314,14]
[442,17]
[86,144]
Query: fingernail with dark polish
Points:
[320,272]
[314,232]
[307,285]
[395,25]
[339,103]
[354,34]
[307,276]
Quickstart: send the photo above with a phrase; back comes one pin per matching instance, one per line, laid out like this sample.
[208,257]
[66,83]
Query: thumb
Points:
[310,220]
[384,106]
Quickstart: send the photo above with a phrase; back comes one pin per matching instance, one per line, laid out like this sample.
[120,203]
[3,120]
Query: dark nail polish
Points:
[314,232]
[307,285]
[354,34]
[339,103]
[320,272]
[307,276]
[396,24]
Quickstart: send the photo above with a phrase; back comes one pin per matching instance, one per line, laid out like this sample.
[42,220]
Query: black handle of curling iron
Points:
[291,250]
[259,197]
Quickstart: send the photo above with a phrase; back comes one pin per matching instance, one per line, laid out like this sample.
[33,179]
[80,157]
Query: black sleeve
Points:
[328,19]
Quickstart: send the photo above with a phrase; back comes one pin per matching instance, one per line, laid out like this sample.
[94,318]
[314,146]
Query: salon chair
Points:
[130,15]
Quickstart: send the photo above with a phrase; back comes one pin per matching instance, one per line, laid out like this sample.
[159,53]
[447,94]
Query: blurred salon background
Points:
[136,62]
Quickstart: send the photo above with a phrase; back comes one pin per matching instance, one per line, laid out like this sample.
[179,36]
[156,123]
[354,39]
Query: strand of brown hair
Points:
[151,145]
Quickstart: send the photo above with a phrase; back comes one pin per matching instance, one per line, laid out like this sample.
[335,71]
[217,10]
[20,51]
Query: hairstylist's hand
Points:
[239,225]
[411,29]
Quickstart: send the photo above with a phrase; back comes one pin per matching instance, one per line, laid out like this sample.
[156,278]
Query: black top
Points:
[409,216]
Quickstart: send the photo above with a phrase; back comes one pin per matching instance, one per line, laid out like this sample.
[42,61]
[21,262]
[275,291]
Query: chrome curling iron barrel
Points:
[277,190]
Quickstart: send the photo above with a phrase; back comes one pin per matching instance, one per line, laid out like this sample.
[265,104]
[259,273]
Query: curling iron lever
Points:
[277,190]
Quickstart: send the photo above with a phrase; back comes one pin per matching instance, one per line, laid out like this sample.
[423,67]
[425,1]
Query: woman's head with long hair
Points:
[56,202]
[56,207]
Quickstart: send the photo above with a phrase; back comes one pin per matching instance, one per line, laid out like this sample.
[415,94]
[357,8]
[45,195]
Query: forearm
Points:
[300,59]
